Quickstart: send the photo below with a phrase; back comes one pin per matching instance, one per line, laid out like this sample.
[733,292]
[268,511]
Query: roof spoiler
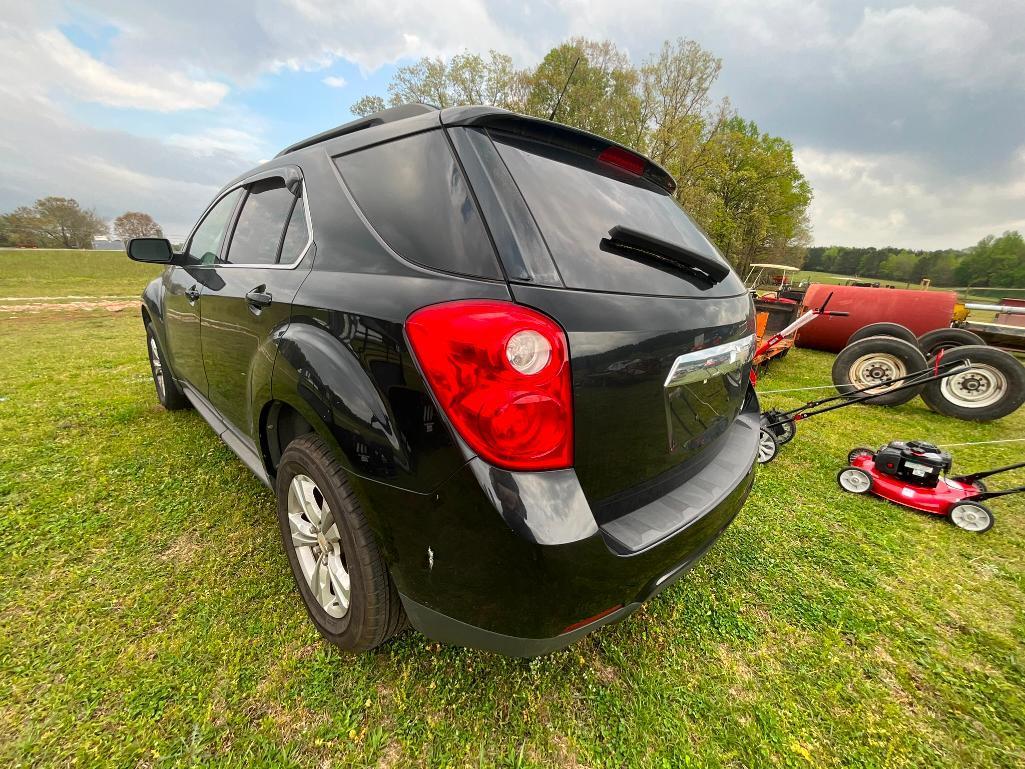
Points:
[390,115]
[557,133]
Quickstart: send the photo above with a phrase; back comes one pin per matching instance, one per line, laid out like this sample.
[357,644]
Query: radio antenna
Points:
[564,87]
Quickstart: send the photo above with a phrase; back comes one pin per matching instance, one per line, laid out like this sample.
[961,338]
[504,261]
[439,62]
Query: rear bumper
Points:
[441,627]
[515,562]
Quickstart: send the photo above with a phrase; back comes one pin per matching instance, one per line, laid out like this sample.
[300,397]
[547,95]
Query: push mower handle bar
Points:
[860,396]
[987,473]
[994,494]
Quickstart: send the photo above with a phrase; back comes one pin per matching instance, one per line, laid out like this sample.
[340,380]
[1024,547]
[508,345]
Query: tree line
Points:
[56,222]
[738,182]
[993,261]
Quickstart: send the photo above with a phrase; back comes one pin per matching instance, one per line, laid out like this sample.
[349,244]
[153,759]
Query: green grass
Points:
[60,273]
[148,618]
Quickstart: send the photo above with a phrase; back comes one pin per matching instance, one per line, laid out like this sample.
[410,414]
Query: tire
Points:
[859,452]
[854,480]
[312,485]
[782,427]
[768,447]
[991,390]
[932,342]
[971,516]
[884,329]
[878,359]
[169,393]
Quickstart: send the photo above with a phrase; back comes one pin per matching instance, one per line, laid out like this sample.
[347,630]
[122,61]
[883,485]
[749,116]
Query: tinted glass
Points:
[414,194]
[296,236]
[576,201]
[261,224]
[206,241]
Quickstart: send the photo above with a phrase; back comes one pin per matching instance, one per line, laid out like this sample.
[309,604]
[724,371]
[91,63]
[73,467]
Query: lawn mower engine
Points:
[915,462]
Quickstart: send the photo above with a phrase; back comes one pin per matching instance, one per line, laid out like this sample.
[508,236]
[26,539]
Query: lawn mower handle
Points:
[973,477]
[812,407]
[994,494]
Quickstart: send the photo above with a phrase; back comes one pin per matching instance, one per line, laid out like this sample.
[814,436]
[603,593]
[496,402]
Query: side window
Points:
[296,236]
[413,193]
[206,240]
[261,224]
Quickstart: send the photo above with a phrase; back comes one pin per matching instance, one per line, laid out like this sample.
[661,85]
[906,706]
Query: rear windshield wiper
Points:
[625,239]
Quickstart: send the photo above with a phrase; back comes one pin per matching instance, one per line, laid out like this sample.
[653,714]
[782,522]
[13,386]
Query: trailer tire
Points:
[878,358]
[884,329]
[994,388]
[933,342]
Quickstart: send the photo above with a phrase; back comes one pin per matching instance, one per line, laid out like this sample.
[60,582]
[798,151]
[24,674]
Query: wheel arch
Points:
[280,423]
[319,383]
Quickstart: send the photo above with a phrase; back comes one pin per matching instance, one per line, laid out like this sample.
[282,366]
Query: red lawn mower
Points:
[913,474]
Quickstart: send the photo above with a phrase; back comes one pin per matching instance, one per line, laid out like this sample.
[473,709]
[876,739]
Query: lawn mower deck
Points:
[913,474]
[937,500]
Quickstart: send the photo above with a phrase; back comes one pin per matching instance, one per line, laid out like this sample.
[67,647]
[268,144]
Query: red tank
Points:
[919,310]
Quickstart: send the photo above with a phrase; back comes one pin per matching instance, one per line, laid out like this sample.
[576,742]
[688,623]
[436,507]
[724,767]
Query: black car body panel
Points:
[521,562]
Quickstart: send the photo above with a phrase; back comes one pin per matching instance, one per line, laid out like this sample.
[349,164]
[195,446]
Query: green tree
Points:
[677,119]
[587,84]
[52,222]
[740,184]
[367,105]
[136,224]
[994,261]
[900,266]
[755,197]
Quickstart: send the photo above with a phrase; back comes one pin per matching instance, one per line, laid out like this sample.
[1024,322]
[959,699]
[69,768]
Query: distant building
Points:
[106,244]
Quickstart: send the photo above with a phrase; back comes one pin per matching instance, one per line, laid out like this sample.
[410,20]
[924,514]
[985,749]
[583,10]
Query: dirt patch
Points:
[391,755]
[183,549]
[109,305]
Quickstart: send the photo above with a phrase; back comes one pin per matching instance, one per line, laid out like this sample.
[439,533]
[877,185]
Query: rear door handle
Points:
[192,293]
[259,297]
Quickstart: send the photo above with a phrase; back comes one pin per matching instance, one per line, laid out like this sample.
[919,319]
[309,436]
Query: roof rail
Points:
[390,115]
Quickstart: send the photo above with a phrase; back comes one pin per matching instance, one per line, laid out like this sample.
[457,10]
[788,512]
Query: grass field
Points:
[148,618]
[63,273]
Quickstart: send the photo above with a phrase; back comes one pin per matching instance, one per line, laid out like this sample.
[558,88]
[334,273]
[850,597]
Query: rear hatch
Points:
[590,234]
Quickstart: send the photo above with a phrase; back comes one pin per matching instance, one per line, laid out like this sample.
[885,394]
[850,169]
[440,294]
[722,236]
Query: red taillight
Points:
[621,158]
[500,371]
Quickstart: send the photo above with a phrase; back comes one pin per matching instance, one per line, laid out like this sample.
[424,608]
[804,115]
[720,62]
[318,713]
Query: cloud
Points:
[232,141]
[936,44]
[43,152]
[42,63]
[242,41]
[904,200]
[906,116]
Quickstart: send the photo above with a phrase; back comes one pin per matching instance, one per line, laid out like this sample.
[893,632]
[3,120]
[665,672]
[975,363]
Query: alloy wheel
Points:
[318,548]
[157,366]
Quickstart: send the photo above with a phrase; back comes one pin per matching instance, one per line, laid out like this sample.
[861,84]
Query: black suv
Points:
[496,377]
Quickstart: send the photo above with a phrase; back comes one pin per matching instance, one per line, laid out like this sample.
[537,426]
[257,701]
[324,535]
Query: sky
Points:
[908,119]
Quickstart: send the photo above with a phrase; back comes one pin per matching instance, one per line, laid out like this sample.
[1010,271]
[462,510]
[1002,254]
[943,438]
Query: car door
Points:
[258,274]
[183,291]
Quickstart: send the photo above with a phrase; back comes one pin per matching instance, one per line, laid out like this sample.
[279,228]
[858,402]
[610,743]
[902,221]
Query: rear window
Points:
[576,201]
[414,195]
